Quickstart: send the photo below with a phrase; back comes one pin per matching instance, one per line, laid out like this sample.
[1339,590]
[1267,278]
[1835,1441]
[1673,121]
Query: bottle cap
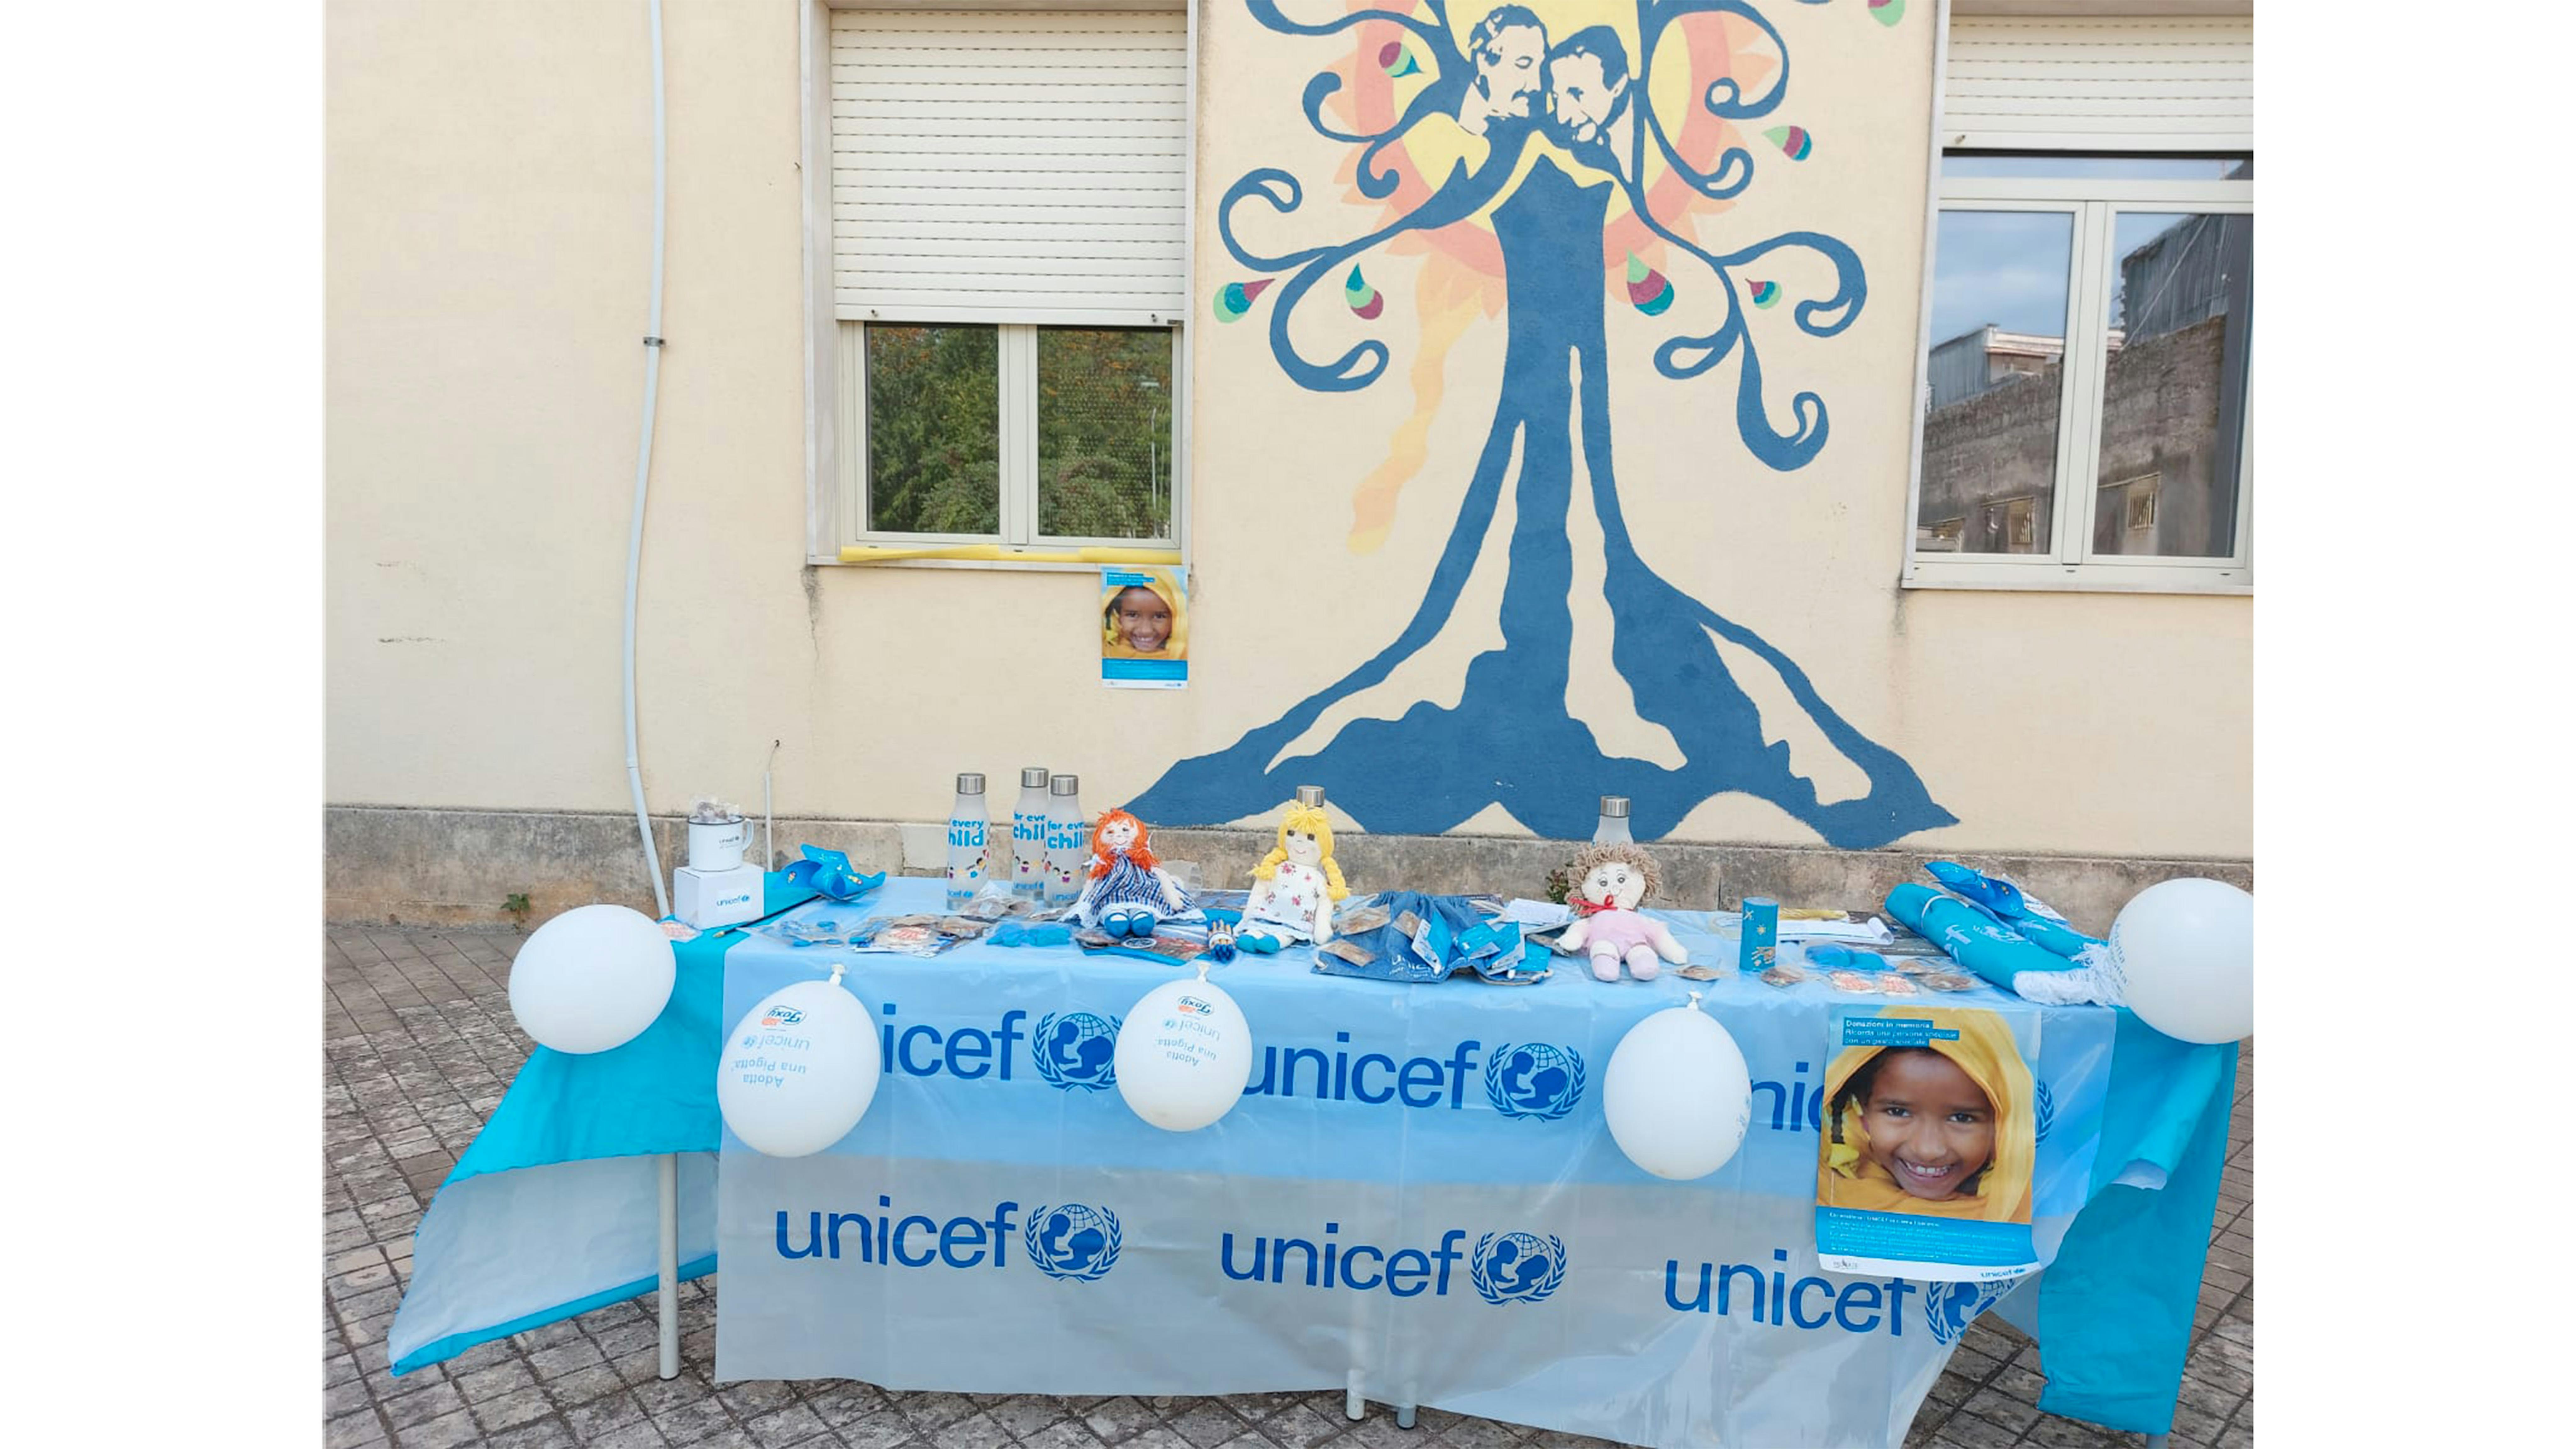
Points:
[1033,778]
[1065,785]
[1614,807]
[970,784]
[1310,795]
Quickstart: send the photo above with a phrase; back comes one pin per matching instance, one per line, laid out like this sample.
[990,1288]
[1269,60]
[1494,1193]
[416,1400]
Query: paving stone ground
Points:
[419,1046]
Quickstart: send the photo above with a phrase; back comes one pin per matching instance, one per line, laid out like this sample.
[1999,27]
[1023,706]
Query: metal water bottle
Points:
[1311,796]
[1613,829]
[1067,840]
[966,841]
[1029,835]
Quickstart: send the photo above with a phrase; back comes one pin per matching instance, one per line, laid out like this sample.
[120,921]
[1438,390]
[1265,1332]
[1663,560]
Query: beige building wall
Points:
[489,208]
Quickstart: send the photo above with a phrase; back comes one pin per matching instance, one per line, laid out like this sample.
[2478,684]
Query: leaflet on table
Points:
[1926,1164]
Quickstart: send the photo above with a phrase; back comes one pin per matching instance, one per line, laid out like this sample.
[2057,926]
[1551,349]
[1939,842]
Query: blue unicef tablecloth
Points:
[1394,1128]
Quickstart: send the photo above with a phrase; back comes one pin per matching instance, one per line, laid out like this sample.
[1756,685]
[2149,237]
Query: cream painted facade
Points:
[489,205]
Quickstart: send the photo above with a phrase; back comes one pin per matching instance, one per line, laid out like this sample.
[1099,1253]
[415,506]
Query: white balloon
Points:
[1184,1055]
[799,1069]
[1677,1094]
[2186,951]
[591,979]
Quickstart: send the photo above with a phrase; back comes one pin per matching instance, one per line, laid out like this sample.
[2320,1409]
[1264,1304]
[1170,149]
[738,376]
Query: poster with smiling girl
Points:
[1144,628]
[1926,1159]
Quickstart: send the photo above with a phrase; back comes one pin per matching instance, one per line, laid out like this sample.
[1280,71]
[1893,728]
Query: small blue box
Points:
[1758,949]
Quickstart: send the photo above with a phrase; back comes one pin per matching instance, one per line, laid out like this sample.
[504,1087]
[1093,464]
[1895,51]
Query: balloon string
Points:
[1694,1001]
[1203,970]
[837,968]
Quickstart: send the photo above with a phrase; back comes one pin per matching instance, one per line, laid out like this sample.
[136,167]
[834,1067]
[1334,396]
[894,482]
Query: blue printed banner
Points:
[1417,1195]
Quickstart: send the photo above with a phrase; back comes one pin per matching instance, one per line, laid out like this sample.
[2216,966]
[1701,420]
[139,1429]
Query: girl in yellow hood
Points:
[1942,1130]
[1144,621]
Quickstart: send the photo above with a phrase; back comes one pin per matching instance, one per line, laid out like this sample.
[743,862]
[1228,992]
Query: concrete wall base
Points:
[460,867]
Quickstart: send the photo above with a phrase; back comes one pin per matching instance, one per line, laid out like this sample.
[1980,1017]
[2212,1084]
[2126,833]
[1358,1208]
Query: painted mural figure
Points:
[1540,156]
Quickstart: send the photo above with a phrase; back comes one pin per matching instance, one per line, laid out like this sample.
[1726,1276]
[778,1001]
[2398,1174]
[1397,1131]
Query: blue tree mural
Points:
[1547,130]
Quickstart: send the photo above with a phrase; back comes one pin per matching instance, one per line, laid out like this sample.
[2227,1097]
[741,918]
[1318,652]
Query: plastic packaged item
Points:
[1031,933]
[1029,835]
[1856,981]
[1948,981]
[966,822]
[1893,983]
[1784,974]
[1068,839]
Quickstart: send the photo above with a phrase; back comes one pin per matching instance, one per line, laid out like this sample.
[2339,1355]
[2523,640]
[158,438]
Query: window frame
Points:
[2071,565]
[1016,384]
[835,350]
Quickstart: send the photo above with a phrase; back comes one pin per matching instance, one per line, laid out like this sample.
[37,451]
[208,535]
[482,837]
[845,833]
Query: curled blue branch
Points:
[1734,166]
[1268,13]
[1687,357]
[1724,98]
[1366,362]
[1851,286]
[1284,195]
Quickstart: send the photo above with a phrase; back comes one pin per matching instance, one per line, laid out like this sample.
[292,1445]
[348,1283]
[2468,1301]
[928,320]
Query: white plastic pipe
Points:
[643,471]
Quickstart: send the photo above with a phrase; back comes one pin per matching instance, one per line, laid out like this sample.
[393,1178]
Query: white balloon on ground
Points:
[2185,952]
[591,979]
[1677,1094]
[799,1069]
[1184,1055]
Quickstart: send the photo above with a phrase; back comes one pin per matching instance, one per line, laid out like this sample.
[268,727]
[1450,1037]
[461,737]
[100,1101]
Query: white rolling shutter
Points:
[2127,84]
[1010,166]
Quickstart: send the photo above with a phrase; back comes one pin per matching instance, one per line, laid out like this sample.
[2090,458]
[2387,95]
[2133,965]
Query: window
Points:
[2088,311]
[1004,219]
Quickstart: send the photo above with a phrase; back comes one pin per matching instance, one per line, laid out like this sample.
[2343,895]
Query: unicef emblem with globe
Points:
[1078,1050]
[1534,1079]
[1074,1241]
[1517,1267]
[1949,1308]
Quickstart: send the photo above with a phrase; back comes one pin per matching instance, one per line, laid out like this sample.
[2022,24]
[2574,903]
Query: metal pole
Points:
[668,1165]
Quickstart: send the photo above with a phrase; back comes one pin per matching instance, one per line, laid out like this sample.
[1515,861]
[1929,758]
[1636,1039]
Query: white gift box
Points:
[710,898]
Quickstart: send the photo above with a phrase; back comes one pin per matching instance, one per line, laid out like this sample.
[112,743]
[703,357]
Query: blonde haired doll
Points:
[1294,887]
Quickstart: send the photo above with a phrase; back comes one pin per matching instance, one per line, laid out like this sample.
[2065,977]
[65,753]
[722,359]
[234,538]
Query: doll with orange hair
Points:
[1128,892]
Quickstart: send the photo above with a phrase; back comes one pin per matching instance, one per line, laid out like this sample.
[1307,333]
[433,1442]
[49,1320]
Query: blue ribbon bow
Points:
[829,873]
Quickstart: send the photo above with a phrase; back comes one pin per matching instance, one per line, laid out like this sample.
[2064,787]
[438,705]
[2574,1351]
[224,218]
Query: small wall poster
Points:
[1145,627]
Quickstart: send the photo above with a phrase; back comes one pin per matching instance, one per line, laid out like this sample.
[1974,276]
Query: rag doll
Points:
[1128,892]
[1294,887]
[1610,883]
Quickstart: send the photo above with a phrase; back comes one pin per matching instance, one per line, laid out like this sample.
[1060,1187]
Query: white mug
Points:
[718,846]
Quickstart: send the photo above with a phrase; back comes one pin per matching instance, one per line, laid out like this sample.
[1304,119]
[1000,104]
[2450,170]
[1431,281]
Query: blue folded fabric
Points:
[1972,936]
[2002,902]
[1429,938]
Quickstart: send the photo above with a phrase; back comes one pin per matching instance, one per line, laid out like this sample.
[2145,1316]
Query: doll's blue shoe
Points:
[1258,943]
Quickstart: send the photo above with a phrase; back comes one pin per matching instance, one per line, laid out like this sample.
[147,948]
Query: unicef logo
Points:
[1950,1307]
[2044,1111]
[1534,1079]
[1078,1049]
[1517,1267]
[1073,1241]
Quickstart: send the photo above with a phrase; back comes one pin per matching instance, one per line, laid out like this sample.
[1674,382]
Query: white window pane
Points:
[934,429]
[1105,432]
[2174,384]
[1995,381]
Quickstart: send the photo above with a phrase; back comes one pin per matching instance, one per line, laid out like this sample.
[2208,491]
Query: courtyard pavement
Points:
[419,1046]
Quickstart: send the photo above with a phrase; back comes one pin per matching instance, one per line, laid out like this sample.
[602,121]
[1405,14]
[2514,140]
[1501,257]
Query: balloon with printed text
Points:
[1184,1055]
[799,1069]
